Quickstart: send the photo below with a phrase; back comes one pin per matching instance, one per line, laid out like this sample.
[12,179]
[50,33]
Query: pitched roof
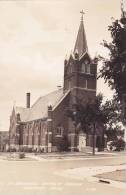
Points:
[39,108]
[81,42]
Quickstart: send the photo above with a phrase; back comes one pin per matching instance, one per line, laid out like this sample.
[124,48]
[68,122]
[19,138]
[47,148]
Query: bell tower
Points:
[80,70]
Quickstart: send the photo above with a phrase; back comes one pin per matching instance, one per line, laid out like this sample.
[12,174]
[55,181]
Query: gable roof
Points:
[87,55]
[40,108]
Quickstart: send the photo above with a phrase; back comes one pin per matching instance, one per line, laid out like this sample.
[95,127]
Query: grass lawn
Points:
[118,175]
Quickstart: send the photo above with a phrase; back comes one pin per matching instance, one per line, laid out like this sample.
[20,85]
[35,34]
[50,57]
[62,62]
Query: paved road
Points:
[39,178]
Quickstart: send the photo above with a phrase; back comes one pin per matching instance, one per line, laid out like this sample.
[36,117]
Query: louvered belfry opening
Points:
[28,95]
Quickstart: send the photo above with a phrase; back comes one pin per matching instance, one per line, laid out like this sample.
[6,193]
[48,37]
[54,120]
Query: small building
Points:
[44,126]
[4,141]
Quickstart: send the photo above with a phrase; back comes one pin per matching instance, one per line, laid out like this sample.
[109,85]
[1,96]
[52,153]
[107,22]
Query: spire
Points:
[81,42]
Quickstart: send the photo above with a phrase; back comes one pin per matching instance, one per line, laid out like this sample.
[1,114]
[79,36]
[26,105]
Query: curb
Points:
[75,158]
[110,182]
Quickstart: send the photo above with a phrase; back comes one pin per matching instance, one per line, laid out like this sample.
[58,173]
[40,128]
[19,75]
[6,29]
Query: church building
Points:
[47,128]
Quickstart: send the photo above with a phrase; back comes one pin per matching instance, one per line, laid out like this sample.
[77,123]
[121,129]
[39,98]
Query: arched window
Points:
[70,68]
[69,84]
[87,68]
[83,68]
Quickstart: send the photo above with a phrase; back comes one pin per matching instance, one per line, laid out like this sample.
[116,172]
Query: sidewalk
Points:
[69,154]
[90,173]
[65,155]
[73,156]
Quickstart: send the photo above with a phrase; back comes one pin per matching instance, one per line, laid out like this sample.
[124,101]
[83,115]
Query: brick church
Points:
[47,128]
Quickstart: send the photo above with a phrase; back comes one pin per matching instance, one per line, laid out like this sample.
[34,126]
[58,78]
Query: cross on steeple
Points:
[82,13]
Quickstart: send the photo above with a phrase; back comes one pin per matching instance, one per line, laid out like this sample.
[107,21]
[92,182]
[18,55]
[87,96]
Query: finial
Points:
[82,13]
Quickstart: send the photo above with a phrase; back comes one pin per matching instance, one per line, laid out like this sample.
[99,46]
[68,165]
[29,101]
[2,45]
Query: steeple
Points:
[79,70]
[81,42]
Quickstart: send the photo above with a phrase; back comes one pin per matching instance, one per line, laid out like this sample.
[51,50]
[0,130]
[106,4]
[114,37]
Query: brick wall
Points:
[60,119]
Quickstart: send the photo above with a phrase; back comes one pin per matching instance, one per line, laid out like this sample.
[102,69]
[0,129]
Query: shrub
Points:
[21,155]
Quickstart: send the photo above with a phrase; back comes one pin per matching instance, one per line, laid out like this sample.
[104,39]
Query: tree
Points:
[89,113]
[112,110]
[114,67]
[113,132]
[92,112]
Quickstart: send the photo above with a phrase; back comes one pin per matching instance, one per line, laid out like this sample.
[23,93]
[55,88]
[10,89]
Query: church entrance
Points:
[82,142]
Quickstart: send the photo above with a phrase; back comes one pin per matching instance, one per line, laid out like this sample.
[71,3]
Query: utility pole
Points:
[94,132]
[123,20]
[124,114]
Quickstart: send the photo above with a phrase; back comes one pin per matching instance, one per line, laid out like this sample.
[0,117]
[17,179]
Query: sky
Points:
[36,36]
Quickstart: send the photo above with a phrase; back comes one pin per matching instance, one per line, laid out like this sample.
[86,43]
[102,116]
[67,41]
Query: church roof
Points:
[40,107]
[81,42]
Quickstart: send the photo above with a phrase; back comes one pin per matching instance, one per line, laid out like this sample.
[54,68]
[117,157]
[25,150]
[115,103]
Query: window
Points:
[59,131]
[70,69]
[69,84]
[85,68]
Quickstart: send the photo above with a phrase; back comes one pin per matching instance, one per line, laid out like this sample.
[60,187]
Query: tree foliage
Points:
[94,111]
[114,67]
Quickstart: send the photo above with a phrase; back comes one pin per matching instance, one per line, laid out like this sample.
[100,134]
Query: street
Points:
[39,177]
